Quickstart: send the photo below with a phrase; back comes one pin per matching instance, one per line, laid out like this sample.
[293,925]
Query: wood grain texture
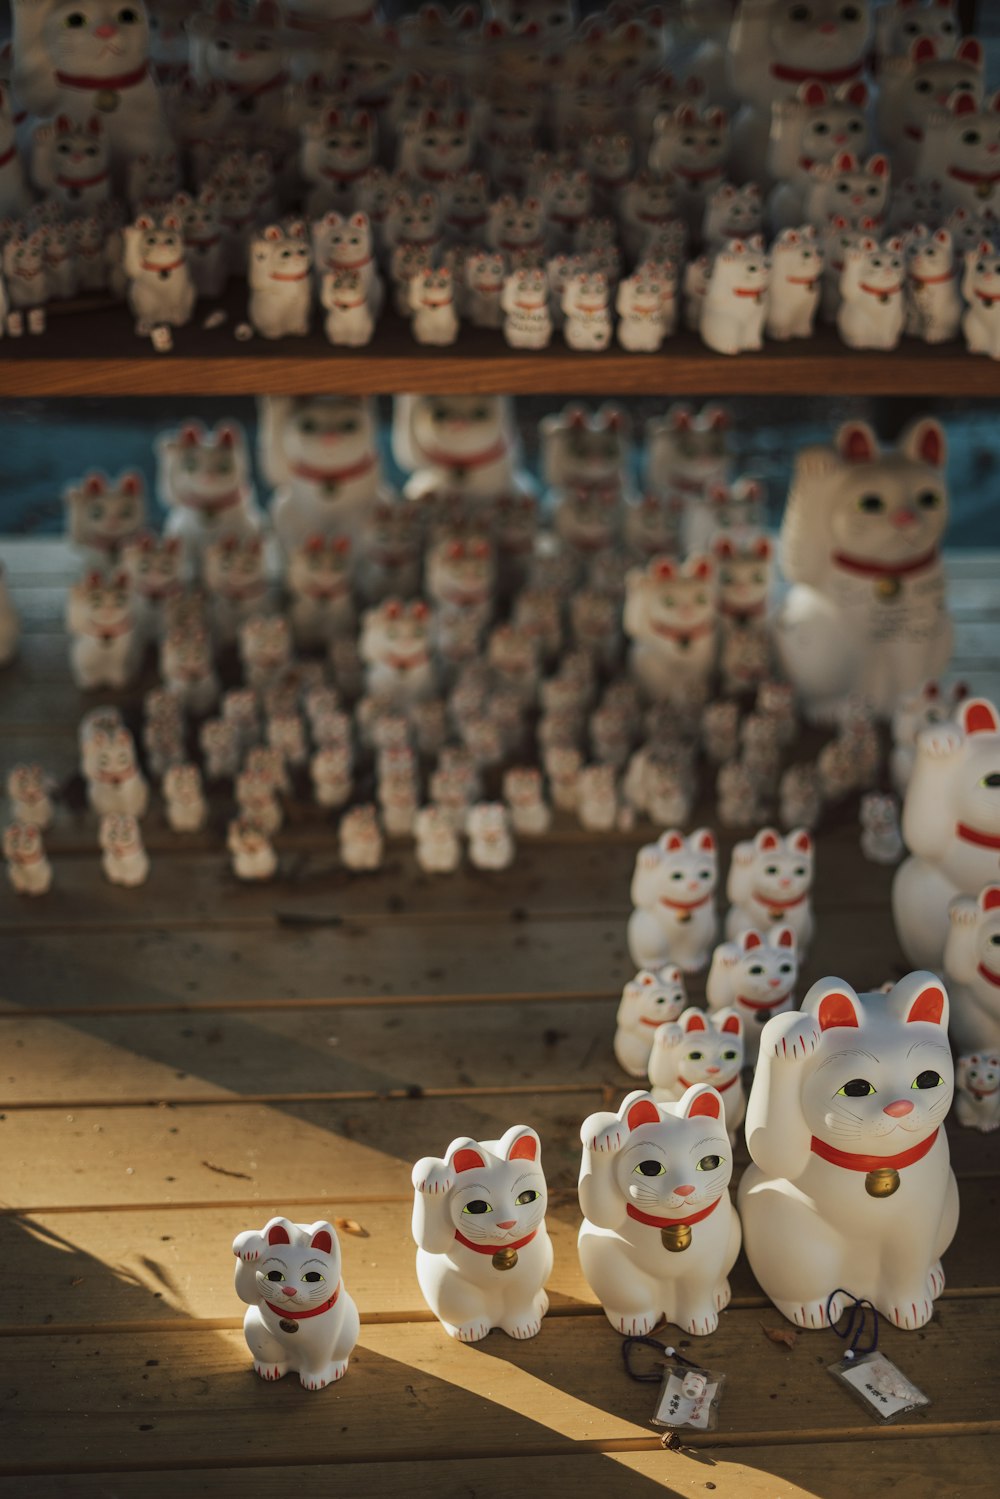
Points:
[96,353]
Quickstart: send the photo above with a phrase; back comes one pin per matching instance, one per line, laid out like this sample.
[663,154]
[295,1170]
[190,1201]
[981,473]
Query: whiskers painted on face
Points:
[843,1121]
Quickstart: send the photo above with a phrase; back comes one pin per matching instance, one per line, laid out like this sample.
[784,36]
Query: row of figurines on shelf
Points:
[600,109]
[850,1185]
[860,541]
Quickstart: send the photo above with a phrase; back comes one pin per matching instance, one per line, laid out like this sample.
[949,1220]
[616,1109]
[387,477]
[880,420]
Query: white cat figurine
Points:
[250,849]
[124,859]
[977,1091]
[321,453]
[299,1316]
[860,541]
[101,622]
[28,868]
[981,292]
[796,278]
[659,1234]
[699,1048]
[649,1000]
[972,967]
[280,279]
[184,798]
[524,301]
[735,303]
[872,311]
[160,288]
[670,618]
[770,880]
[755,976]
[934,306]
[673,893]
[478,1271]
[851,1185]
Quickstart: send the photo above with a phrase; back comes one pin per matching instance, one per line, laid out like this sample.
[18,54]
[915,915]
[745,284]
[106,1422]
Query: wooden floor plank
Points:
[941,1468]
[173,1264]
[413,1392]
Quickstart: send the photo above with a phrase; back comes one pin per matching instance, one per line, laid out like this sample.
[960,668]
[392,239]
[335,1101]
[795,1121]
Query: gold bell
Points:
[984,189]
[882,1182]
[676,1237]
[107,100]
[505,1259]
[684,918]
[888,588]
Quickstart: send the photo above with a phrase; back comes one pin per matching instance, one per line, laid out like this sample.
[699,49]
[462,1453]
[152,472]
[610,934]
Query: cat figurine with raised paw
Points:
[754,976]
[951,827]
[851,1184]
[650,1000]
[673,893]
[659,1234]
[300,1317]
[478,1271]
[977,1091]
[699,1048]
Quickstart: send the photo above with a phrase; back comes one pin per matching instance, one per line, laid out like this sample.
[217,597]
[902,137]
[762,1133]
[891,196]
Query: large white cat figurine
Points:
[701,1048]
[478,1270]
[755,976]
[851,1185]
[659,1234]
[299,1315]
[972,968]
[860,541]
[951,826]
[673,892]
[770,879]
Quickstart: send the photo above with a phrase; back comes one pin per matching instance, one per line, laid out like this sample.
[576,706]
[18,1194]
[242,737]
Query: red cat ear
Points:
[857,94]
[857,443]
[962,102]
[989,898]
[923,49]
[694,1021]
[467,1160]
[925,441]
[977,715]
[812,93]
[802,843]
[785,937]
[929,1005]
[704,841]
[750,940]
[323,1241]
[706,1104]
[671,842]
[525,1147]
[732,1026]
[723,547]
[762,548]
[766,839]
[278,1234]
[835,1010]
[643,1111]
[970,50]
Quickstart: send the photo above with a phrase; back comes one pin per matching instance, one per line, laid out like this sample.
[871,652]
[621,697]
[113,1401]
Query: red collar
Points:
[989,975]
[316,1311]
[106,634]
[124,80]
[337,475]
[697,174]
[779,905]
[299,276]
[653,1024]
[871,1162]
[932,280]
[571,220]
[336,175]
[213,505]
[278,81]
[756,293]
[345,306]
[684,636]
[762,1004]
[985,298]
[172,265]
[74,182]
[753,612]
[979,1093]
[647,1218]
[719,1087]
[686,905]
[471,460]
[530,244]
[591,307]
[351,265]
[865,569]
[809,281]
[881,291]
[9,156]
[803,75]
[973,835]
[494,1248]
[406,663]
[961,175]
[431,174]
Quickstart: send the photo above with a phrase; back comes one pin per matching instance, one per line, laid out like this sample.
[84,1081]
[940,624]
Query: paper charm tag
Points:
[879,1386]
[689,1397]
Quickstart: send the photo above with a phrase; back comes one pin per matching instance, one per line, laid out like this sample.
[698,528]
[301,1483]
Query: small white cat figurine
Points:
[770,880]
[934,305]
[796,278]
[114,781]
[755,976]
[673,893]
[649,1001]
[972,968]
[28,868]
[101,622]
[477,1270]
[186,807]
[250,849]
[28,789]
[670,617]
[699,1048]
[299,1316]
[160,288]
[977,1091]
[851,1184]
[280,278]
[524,302]
[735,304]
[124,860]
[981,291]
[872,311]
[881,841]
[659,1234]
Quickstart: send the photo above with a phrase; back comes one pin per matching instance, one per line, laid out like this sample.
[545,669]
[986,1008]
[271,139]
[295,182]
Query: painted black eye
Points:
[709,1163]
[992,781]
[312,1276]
[927,1079]
[872,504]
[695,1056]
[821,128]
[770,869]
[928,499]
[127,16]
[650,1168]
[523,1198]
[858,1087]
[800,13]
[784,968]
[755,969]
[923,86]
[477,1207]
[971,138]
[275,1275]
[75,19]
[850,13]
[730,1056]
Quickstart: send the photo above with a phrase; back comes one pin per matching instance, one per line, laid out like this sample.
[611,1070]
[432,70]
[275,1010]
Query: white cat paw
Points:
[608,1140]
[964,911]
[529,1328]
[329,1375]
[723,1296]
[469,1332]
[935,1278]
[940,742]
[436,1178]
[912,1314]
[796,1039]
[632,1325]
[812,1313]
[702,1324]
[270,1371]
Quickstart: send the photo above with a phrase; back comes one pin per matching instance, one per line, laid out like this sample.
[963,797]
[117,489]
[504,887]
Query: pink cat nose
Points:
[105,31]
[774,983]
[903,518]
[683,1191]
[993,149]
[509,1224]
[899,1109]
[712,1071]
[841,140]
[828,28]
[289,1291]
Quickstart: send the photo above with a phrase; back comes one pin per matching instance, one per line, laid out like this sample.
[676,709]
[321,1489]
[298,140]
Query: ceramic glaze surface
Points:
[851,1184]
[673,892]
[972,967]
[699,1048]
[754,975]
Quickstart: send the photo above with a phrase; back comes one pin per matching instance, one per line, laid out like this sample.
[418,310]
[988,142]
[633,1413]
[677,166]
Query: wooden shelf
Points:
[96,353]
